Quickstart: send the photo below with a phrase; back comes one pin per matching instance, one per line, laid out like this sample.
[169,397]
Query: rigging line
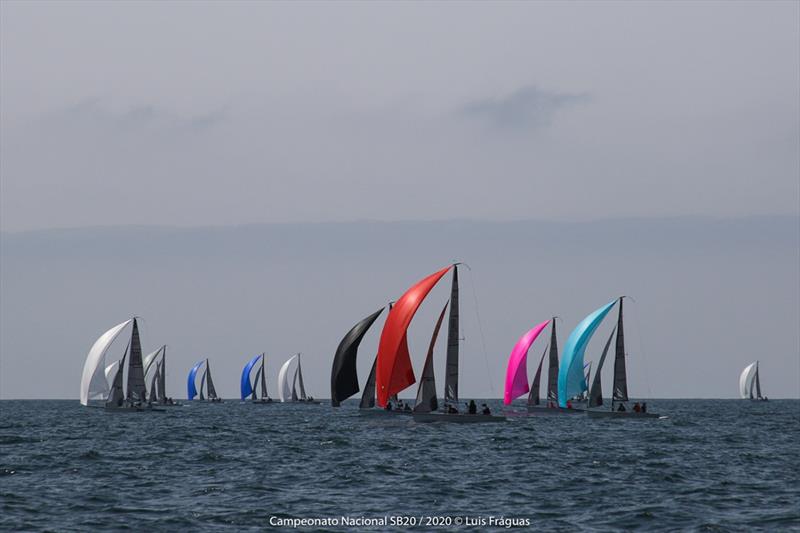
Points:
[641,347]
[480,330]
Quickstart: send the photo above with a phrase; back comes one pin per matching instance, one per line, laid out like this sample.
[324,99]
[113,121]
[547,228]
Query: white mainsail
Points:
[149,358]
[746,380]
[93,379]
[284,389]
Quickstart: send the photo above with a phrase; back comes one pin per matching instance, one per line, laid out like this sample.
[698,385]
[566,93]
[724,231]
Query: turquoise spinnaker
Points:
[571,380]
[246,387]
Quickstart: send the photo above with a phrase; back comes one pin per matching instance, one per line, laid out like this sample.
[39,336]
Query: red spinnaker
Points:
[394,372]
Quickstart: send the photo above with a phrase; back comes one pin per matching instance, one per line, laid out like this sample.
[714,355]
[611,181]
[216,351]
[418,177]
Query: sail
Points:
[596,392]
[394,372]
[191,387]
[93,380]
[284,392]
[533,397]
[746,380]
[344,376]
[294,385]
[116,397]
[111,372]
[203,382]
[587,372]
[620,390]
[299,377]
[263,380]
[451,368]
[212,392]
[162,378]
[253,395]
[426,392]
[758,384]
[153,391]
[517,369]
[571,380]
[368,396]
[246,386]
[552,366]
[149,359]
[137,391]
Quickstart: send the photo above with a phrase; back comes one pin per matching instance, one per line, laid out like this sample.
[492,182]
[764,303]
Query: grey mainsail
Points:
[162,380]
[451,369]
[203,381]
[344,376]
[758,384]
[596,391]
[620,374]
[153,387]
[116,397]
[552,370]
[263,374]
[212,392]
[368,396]
[426,392]
[294,382]
[137,391]
[254,395]
[300,380]
[533,397]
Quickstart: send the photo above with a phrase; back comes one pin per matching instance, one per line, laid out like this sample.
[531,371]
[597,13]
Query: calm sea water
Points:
[713,465]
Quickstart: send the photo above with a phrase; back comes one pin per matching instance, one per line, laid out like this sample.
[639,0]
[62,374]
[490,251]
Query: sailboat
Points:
[206,383]
[291,394]
[749,380]
[394,372]
[158,383]
[344,375]
[130,396]
[248,388]
[570,381]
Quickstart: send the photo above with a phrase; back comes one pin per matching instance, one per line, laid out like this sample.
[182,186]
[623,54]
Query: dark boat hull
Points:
[621,414]
[457,418]
[553,411]
[377,412]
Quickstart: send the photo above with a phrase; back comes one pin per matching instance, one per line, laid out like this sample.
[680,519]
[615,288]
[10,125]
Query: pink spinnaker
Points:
[517,370]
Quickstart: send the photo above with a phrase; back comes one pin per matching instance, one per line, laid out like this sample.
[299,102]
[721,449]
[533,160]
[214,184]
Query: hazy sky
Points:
[636,117]
[220,113]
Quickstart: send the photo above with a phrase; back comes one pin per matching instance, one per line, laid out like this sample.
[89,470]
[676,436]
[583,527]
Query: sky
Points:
[267,119]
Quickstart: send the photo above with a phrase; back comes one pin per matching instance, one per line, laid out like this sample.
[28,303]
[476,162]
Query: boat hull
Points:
[553,411]
[457,418]
[621,414]
[371,411]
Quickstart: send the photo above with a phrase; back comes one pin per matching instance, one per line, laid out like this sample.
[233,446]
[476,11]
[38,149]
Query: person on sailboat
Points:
[644,407]
[637,408]
[569,404]
[485,410]
[621,408]
[472,407]
[451,409]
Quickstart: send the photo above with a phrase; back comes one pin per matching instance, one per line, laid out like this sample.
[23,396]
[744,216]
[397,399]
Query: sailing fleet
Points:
[122,384]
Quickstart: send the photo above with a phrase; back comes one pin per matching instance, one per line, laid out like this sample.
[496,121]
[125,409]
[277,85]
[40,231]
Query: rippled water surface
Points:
[713,465]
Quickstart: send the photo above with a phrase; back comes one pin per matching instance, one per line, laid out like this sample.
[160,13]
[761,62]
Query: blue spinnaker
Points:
[247,387]
[192,392]
[571,380]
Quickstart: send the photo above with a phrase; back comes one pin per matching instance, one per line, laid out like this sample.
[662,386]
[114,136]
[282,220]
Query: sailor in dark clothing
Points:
[388,406]
[451,409]
[644,407]
[621,408]
[637,408]
[473,407]
[486,410]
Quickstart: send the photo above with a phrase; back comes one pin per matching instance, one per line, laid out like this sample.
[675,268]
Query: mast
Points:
[620,375]
[596,391]
[212,392]
[426,392]
[552,370]
[368,396]
[451,370]
[263,372]
[533,397]
[137,391]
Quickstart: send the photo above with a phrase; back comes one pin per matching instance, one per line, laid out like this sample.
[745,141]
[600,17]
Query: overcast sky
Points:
[218,113]
[641,115]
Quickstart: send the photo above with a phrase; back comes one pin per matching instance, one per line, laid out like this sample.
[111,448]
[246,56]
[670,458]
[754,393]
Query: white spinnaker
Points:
[284,390]
[149,358]
[93,380]
[111,371]
[746,380]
